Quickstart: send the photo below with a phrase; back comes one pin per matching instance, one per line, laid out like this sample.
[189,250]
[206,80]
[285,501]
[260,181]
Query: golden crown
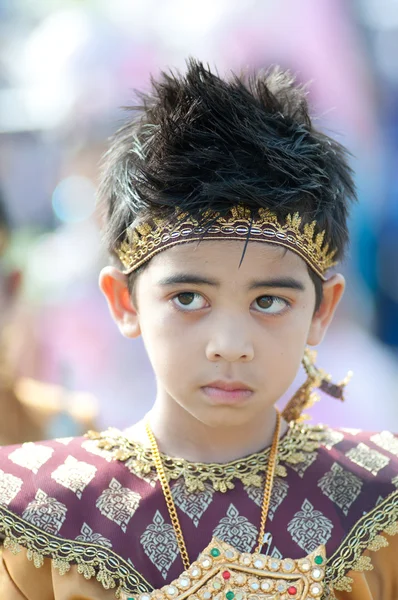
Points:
[146,240]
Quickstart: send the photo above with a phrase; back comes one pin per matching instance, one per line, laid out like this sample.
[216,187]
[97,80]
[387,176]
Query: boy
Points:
[225,210]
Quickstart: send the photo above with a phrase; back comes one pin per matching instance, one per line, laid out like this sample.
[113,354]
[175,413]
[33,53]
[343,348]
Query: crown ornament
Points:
[147,239]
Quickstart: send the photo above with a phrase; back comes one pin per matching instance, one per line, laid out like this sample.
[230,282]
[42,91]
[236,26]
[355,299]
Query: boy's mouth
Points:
[227,392]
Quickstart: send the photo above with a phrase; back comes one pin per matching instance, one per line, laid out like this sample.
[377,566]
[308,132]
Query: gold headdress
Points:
[146,240]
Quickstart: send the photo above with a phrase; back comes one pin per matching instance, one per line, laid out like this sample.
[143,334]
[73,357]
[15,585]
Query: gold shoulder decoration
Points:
[365,535]
[305,397]
[92,560]
[223,573]
[145,240]
[293,448]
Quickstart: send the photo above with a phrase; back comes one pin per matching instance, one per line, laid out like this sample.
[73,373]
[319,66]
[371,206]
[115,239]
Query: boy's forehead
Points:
[227,257]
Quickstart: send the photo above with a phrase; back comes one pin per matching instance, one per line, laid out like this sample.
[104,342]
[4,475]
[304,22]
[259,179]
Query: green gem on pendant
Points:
[230,596]
[215,552]
[318,560]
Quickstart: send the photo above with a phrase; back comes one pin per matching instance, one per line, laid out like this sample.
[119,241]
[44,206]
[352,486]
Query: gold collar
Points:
[294,446]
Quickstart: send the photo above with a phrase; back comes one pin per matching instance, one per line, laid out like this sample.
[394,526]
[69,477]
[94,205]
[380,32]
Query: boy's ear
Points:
[333,290]
[113,285]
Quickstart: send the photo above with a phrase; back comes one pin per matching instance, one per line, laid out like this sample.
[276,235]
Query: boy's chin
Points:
[225,415]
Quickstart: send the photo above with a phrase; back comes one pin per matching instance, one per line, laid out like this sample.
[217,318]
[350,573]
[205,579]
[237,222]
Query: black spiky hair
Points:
[199,142]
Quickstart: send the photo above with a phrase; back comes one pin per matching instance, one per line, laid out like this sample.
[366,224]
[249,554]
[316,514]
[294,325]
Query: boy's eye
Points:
[189,301]
[271,305]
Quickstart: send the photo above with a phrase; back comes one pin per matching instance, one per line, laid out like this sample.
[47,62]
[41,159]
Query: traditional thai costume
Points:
[92,517]
[90,512]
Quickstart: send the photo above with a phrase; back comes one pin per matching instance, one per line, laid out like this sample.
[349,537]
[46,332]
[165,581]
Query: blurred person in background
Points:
[214,470]
[30,410]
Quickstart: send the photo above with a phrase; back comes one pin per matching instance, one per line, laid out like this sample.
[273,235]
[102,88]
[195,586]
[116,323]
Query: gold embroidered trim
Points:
[92,560]
[299,440]
[365,535]
[147,239]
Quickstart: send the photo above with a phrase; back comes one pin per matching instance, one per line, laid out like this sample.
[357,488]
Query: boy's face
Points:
[225,341]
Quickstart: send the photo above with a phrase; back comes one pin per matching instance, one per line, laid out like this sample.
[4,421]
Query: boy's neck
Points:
[179,434]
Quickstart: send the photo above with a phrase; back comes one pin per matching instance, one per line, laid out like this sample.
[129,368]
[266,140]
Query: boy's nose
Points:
[230,345]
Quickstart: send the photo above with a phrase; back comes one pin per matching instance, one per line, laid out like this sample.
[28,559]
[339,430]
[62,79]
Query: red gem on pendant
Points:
[292,590]
[226,575]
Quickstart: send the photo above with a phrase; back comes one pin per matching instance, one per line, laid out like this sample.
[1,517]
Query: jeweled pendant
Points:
[223,573]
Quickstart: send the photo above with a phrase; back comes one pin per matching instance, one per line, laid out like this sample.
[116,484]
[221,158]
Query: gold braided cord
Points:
[269,480]
[168,498]
[157,459]
[294,446]
[147,239]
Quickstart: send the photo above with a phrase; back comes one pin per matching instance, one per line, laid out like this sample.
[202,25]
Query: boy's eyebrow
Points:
[278,282]
[189,279]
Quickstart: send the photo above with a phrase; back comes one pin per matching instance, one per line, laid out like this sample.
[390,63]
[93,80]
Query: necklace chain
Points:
[269,478]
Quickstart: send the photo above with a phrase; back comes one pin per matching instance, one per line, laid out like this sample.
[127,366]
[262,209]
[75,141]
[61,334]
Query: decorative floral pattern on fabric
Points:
[236,530]
[64,440]
[31,456]
[45,512]
[87,535]
[9,487]
[74,474]
[369,459]
[387,441]
[118,504]
[303,465]
[194,505]
[341,487]
[279,492]
[159,544]
[309,528]
[332,438]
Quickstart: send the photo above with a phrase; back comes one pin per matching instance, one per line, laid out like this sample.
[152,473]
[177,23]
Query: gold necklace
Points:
[269,478]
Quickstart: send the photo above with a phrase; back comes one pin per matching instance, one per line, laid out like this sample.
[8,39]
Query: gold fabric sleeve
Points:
[381,581]
[21,580]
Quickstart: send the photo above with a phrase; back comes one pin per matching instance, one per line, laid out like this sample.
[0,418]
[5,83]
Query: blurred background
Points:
[66,66]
